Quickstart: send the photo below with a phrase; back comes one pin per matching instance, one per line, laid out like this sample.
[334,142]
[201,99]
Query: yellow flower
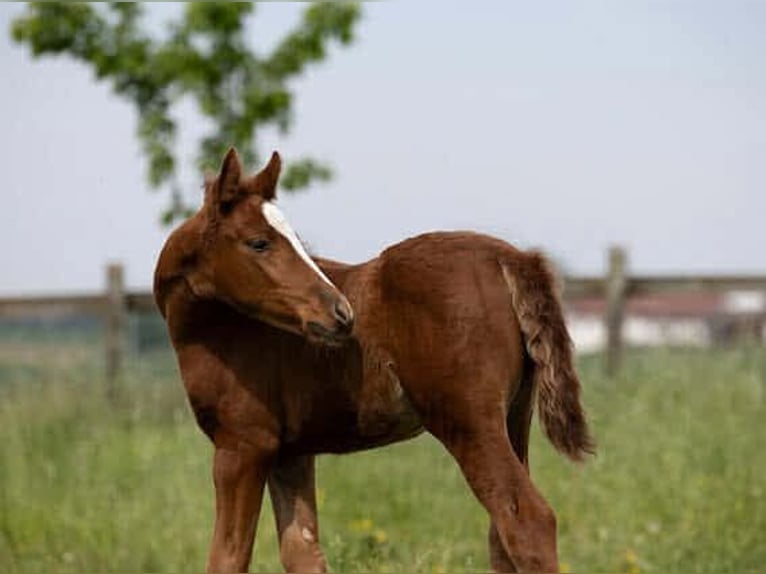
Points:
[380,536]
[631,561]
[361,525]
[564,568]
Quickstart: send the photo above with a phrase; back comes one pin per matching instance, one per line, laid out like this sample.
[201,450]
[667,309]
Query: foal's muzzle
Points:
[339,330]
[344,316]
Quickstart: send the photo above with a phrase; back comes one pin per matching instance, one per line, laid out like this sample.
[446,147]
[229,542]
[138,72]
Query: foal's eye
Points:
[259,245]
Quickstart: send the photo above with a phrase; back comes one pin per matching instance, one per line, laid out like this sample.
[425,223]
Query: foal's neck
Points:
[195,320]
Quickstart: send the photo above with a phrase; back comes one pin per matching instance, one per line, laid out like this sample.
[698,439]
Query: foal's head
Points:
[252,259]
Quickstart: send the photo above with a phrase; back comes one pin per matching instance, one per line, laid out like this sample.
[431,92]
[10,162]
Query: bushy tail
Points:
[535,300]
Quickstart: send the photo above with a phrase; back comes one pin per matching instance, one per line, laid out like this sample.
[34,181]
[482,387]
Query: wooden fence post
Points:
[616,289]
[115,322]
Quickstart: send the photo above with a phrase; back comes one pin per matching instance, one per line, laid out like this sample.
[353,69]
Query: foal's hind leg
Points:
[291,485]
[525,524]
[518,423]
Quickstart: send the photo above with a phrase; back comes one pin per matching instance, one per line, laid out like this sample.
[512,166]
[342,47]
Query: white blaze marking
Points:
[277,220]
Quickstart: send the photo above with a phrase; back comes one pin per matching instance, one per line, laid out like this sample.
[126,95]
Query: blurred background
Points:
[626,140]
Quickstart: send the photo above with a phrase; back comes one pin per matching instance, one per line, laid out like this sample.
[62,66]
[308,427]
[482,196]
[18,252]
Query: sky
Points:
[568,126]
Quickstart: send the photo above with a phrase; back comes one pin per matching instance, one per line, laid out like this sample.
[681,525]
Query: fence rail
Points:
[594,286]
[85,304]
[115,303]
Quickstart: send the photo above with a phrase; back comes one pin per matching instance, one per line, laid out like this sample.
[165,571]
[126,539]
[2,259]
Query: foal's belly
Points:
[342,400]
[343,423]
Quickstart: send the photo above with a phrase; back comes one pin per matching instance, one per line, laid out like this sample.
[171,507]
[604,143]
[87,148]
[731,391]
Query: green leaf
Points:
[301,173]
[204,57]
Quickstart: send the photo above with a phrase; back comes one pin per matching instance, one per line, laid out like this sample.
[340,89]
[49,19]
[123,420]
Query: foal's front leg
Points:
[239,474]
[291,485]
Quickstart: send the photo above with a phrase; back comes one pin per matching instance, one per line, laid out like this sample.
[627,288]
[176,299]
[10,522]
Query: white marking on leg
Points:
[277,220]
[307,535]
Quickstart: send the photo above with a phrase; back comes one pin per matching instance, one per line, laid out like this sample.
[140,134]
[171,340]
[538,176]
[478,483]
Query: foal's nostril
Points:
[343,314]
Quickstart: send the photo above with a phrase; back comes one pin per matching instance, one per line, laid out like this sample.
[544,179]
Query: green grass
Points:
[677,486]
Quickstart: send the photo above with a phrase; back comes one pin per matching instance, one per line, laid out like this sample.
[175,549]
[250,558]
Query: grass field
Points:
[678,484]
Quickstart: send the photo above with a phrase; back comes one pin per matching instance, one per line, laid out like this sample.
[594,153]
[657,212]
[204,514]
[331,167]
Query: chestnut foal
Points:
[285,357]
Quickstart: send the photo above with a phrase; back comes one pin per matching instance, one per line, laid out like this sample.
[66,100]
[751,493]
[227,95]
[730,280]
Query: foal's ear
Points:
[264,183]
[227,186]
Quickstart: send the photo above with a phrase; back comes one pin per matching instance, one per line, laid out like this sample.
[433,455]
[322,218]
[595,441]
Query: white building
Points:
[673,319]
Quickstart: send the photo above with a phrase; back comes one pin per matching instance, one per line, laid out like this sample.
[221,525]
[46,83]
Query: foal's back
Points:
[430,311]
[438,306]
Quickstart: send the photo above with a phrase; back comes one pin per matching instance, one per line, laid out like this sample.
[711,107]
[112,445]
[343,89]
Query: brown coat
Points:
[453,333]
